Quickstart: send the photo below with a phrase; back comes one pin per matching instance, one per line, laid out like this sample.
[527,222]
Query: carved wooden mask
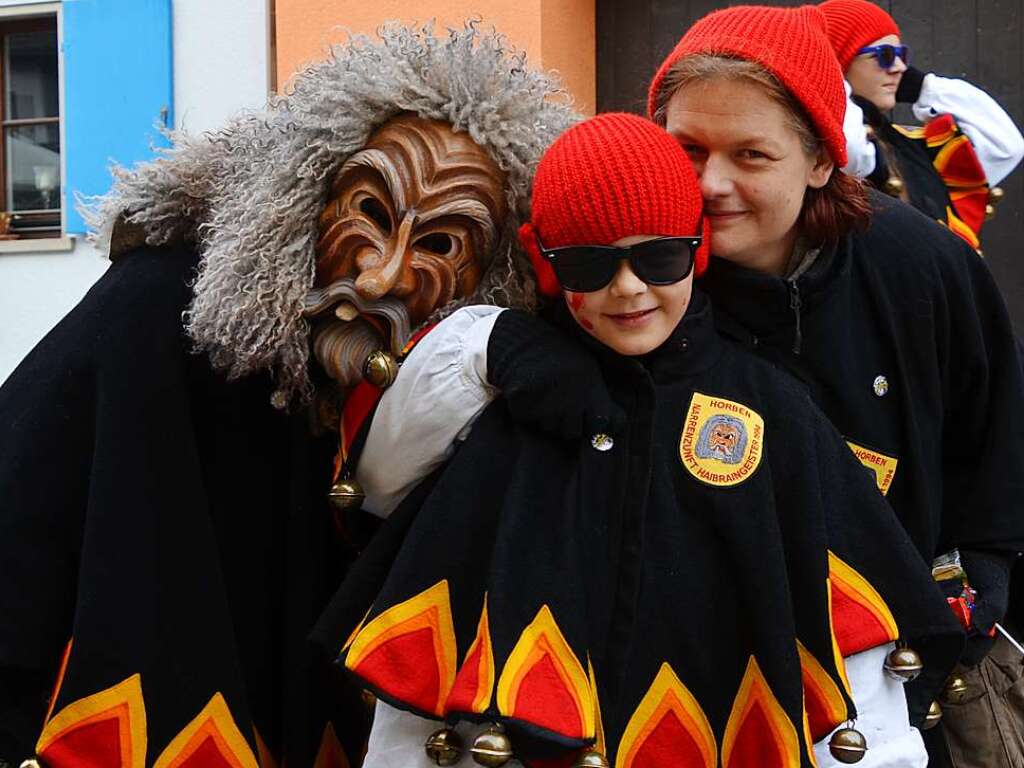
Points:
[413,216]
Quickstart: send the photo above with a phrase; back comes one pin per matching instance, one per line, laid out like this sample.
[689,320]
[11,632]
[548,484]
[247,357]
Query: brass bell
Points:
[869,131]
[444,747]
[995,195]
[933,716]
[380,369]
[848,745]
[492,748]
[346,494]
[990,212]
[894,186]
[369,698]
[955,690]
[903,664]
[591,758]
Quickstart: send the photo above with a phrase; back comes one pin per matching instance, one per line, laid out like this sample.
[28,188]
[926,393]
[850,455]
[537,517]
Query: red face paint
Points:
[575,301]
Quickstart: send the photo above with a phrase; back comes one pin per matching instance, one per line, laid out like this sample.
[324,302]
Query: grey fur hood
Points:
[248,196]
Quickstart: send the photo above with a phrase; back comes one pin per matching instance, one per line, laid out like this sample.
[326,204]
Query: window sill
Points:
[40,245]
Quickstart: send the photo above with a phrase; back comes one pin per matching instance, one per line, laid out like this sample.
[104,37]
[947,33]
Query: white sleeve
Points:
[996,138]
[860,151]
[882,716]
[440,390]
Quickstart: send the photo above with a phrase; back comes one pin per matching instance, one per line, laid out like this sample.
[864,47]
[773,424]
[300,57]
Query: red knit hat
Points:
[791,43]
[852,24]
[610,177]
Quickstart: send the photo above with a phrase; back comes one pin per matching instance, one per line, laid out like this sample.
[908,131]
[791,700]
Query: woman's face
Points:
[870,81]
[753,168]
[628,315]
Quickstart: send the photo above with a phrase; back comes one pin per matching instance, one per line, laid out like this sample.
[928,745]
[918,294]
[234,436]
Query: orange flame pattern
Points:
[330,754]
[409,650]
[860,617]
[599,740]
[824,705]
[809,742]
[211,740]
[474,683]
[668,729]
[759,732]
[544,683]
[107,728]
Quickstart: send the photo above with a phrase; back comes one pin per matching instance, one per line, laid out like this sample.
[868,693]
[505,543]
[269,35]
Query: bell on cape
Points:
[894,186]
[380,369]
[444,747]
[995,195]
[346,494]
[369,698]
[848,745]
[955,690]
[990,212]
[933,716]
[591,758]
[903,664]
[492,748]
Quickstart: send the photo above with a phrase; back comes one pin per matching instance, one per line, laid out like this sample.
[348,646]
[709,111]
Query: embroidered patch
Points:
[722,441]
[883,466]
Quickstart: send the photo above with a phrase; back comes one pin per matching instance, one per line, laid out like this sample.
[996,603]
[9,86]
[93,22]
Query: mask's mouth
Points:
[347,328]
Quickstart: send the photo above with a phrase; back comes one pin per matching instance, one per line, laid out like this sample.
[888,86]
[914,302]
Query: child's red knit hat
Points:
[607,178]
[791,43]
[853,24]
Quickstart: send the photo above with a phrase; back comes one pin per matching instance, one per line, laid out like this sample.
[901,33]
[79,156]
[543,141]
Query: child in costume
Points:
[679,593]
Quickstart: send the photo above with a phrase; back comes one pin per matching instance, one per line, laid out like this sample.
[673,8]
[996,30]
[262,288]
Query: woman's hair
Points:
[829,213]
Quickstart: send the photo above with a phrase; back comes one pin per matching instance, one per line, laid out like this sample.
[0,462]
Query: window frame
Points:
[33,18]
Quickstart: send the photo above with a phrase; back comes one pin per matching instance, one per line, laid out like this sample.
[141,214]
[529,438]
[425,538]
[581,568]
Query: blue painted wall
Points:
[118,80]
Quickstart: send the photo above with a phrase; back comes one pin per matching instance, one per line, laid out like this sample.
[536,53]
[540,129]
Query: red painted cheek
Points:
[576,301]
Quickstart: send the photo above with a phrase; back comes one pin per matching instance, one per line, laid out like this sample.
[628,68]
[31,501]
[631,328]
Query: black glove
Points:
[988,572]
[909,89]
[548,380]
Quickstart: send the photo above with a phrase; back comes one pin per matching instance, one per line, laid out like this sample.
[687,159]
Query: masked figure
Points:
[410,227]
[165,538]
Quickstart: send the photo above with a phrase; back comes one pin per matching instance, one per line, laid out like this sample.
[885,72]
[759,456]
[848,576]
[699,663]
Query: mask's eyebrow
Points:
[377,160]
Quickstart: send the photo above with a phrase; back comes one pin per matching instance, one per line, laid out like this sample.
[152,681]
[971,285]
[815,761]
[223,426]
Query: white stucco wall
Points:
[221,65]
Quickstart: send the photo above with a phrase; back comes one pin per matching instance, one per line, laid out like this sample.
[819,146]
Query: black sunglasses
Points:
[887,54]
[586,268]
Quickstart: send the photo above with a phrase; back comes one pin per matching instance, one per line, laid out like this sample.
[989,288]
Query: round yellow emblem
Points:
[722,440]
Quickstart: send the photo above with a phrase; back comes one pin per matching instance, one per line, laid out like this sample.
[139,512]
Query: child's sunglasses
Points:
[586,268]
[887,54]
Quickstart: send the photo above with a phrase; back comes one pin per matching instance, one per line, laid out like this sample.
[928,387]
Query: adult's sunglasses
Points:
[887,54]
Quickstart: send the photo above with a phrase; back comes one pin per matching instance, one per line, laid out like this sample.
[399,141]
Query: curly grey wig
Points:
[248,196]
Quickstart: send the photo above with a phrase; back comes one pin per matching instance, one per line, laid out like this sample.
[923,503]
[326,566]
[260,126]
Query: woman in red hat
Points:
[676,594]
[895,325]
[934,168]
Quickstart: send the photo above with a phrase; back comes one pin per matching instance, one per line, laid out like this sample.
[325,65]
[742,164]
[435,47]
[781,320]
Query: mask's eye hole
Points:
[437,242]
[375,210]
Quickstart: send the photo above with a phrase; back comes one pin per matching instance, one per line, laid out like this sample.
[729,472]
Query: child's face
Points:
[628,315]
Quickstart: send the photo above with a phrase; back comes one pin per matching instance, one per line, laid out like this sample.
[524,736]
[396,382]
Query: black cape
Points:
[616,597]
[171,526]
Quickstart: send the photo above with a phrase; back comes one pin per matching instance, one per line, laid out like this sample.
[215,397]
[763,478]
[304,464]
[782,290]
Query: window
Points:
[30,167]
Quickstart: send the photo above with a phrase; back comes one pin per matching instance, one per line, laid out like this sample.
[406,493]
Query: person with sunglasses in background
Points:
[933,167]
[667,596]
